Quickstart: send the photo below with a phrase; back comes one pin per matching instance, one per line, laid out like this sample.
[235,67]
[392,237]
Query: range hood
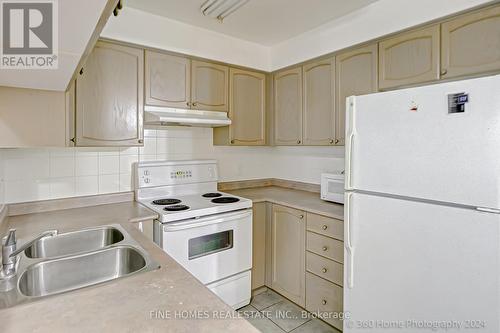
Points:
[179,117]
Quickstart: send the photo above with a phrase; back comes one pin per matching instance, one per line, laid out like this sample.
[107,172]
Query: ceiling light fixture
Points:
[220,9]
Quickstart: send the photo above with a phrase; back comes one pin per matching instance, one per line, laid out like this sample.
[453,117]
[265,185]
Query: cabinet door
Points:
[356,74]
[210,86]
[471,44]
[109,97]
[167,80]
[247,107]
[319,115]
[259,245]
[288,253]
[409,58]
[288,107]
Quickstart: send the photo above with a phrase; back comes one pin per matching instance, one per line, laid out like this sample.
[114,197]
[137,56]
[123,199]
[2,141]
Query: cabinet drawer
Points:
[327,269]
[325,246]
[325,226]
[324,296]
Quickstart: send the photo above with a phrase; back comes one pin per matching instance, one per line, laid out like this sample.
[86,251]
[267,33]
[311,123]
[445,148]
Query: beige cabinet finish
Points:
[288,253]
[324,297]
[325,246]
[355,74]
[288,107]
[109,97]
[32,118]
[247,110]
[319,104]
[209,87]
[325,226]
[471,44]
[259,245]
[327,269]
[409,58]
[167,80]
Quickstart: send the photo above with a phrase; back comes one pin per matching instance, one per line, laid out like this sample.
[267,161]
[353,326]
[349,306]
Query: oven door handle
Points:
[213,219]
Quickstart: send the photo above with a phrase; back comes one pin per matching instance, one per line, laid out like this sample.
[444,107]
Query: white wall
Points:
[378,19]
[135,26]
[40,174]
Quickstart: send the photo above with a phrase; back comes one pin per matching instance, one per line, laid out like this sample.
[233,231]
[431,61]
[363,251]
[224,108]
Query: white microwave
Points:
[332,187]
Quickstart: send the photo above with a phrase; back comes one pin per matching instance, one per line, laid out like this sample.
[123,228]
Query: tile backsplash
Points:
[51,173]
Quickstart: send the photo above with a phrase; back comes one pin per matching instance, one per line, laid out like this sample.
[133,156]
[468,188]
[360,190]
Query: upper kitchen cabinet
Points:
[210,86]
[319,106]
[471,44]
[247,110]
[409,58]
[288,107]
[356,74]
[167,80]
[109,97]
[288,253]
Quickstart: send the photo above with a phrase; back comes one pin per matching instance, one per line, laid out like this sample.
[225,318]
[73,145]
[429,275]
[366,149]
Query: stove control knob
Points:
[146,172]
[147,180]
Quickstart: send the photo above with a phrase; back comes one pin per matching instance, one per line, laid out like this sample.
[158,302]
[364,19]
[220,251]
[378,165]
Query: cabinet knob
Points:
[325,248]
[194,103]
[444,72]
[298,142]
[140,141]
[188,103]
[232,141]
[324,270]
[301,217]
[332,141]
[323,302]
[337,141]
[324,227]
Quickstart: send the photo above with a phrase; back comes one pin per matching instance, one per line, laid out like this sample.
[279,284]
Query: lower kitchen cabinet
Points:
[259,245]
[325,298]
[288,253]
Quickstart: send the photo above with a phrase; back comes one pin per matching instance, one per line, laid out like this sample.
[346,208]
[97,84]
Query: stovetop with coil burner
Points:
[174,208]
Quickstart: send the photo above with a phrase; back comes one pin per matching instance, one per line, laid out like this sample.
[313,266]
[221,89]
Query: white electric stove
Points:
[207,231]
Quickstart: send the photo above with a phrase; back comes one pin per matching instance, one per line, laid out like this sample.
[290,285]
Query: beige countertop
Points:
[132,304]
[303,200]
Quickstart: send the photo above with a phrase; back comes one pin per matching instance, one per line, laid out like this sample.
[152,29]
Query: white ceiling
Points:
[266,22]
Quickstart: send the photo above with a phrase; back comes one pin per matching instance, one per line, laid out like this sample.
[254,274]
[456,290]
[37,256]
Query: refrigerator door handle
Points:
[350,107]
[348,243]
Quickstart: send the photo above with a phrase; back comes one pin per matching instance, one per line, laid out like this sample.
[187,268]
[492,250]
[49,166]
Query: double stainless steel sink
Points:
[75,260]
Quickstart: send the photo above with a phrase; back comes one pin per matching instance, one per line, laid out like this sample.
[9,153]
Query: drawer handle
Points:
[323,302]
[324,270]
[325,248]
[324,227]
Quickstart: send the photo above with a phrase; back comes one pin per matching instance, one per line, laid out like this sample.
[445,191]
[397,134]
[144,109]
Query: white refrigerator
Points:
[422,209]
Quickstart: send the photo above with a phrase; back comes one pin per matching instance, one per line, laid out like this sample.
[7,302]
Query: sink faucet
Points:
[10,250]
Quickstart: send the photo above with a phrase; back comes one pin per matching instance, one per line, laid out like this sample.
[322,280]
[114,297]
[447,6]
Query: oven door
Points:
[211,248]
